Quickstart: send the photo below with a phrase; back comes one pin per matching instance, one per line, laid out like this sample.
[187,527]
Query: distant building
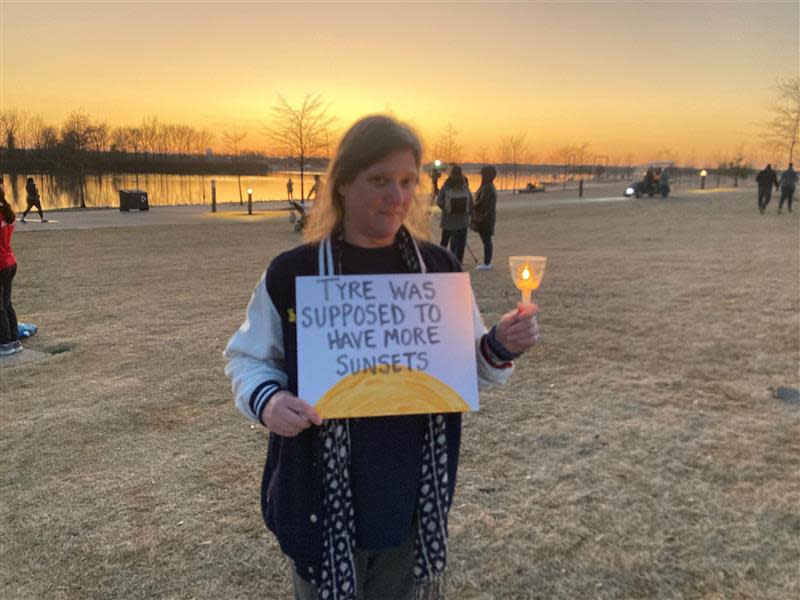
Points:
[209,152]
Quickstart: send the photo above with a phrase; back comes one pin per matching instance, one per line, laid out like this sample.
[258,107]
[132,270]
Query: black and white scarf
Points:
[337,573]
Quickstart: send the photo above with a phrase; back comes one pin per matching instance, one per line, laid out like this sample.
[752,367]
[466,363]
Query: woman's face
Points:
[376,202]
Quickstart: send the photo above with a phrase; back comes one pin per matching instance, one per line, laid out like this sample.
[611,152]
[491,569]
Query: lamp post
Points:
[249,201]
[435,173]
[703,174]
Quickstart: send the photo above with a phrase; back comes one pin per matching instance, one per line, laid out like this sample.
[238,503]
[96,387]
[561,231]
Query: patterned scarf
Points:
[337,579]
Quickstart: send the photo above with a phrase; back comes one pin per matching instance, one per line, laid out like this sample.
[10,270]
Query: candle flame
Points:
[526,274]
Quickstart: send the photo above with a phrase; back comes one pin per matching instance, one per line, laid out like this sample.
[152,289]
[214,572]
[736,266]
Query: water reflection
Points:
[92,191]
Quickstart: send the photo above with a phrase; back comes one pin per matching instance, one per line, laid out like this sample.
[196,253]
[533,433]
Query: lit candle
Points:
[527,271]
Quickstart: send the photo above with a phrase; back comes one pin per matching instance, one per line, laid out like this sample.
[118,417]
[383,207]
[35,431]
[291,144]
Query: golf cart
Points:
[655,180]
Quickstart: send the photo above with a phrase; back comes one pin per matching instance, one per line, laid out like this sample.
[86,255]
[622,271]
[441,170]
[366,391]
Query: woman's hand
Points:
[288,415]
[518,330]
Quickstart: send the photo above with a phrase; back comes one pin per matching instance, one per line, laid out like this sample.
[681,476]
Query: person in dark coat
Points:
[33,199]
[788,183]
[455,200]
[485,214]
[765,180]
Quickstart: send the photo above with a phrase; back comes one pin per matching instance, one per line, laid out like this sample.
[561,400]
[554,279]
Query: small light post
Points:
[249,201]
[435,173]
[703,174]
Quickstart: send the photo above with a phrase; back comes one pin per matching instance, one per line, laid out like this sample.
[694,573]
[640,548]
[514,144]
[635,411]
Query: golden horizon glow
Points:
[687,82]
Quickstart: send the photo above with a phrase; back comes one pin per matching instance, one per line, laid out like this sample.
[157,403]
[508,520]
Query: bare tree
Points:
[76,131]
[301,131]
[11,123]
[150,132]
[783,129]
[571,157]
[98,136]
[202,140]
[232,140]
[36,129]
[565,155]
[446,148]
[514,151]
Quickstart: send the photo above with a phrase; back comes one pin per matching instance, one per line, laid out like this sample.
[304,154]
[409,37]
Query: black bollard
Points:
[580,188]
[213,195]
[249,201]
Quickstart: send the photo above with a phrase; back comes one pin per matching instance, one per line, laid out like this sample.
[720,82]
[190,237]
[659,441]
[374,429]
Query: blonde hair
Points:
[368,141]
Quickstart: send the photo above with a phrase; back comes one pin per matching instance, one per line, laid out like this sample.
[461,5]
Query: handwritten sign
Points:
[372,345]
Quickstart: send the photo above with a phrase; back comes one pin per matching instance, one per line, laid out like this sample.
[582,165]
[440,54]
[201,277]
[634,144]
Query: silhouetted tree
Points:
[11,122]
[513,151]
[446,148]
[232,140]
[300,131]
[783,129]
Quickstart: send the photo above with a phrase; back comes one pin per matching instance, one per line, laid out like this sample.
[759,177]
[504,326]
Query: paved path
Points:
[93,218]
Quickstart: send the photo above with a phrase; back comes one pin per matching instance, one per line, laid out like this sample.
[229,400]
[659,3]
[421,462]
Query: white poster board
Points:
[370,345]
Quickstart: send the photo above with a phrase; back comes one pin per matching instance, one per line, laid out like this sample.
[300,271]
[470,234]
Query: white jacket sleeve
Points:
[255,355]
[490,372]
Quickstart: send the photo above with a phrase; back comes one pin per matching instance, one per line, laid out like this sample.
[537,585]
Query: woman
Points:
[455,200]
[485,214]
[9,344]
[33,199]
[343,496]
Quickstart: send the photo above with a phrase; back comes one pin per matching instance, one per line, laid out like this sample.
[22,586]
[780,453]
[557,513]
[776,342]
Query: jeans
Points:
[487,248]
[458,241]
[787,193]
[386,574]
[764,196]
[8,318]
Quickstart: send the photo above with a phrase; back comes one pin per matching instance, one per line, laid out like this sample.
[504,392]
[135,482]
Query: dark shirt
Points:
[767,178]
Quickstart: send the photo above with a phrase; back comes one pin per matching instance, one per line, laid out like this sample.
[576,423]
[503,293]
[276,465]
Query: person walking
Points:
[455,200]
[485,214]
[360,505]
[316,188]
[765,179]
[32,198]
[289,189]
[9,333]
[788,183]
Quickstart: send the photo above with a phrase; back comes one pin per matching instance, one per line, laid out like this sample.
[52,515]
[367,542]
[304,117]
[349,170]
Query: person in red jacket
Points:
[9,344]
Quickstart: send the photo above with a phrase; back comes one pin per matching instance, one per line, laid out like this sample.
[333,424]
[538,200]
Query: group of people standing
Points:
[314,191]
[460,212]
[767,178]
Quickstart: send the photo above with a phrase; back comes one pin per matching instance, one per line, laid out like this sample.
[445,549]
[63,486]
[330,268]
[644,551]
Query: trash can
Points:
[133,199]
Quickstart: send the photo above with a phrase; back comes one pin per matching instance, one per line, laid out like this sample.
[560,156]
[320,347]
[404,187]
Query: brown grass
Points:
[637,453]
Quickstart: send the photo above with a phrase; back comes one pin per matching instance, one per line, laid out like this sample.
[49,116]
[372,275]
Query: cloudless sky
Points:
[631,79]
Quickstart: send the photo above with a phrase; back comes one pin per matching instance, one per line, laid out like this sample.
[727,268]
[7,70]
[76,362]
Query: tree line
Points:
[82,144]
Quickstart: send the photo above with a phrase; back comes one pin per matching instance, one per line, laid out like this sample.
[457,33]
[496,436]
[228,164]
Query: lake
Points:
[99,191]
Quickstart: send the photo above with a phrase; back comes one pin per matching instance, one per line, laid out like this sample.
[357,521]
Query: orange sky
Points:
[633,80]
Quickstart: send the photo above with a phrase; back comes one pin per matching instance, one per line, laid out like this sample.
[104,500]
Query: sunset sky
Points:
[634,80]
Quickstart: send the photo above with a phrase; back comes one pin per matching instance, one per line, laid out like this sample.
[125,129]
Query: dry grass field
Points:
[637,453]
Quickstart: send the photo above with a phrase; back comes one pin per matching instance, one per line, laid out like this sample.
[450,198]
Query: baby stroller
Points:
[298,219]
